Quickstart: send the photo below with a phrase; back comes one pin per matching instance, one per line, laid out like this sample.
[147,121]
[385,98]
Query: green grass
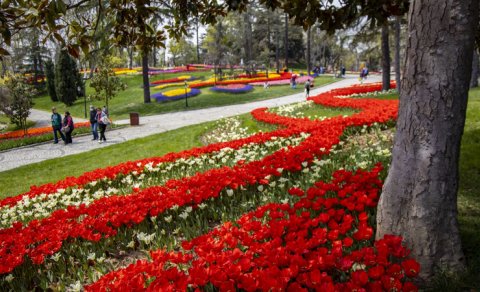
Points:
[131,100]
[469,195]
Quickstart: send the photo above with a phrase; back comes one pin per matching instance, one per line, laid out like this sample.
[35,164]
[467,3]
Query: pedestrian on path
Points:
[56,119]
[103,121]
[68,127]
[307,88]
[93,122]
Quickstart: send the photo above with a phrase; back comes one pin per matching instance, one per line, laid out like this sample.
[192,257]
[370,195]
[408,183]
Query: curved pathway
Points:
[153,125]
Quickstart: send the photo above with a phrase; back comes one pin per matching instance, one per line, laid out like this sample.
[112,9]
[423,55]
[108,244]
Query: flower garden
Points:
[291,209]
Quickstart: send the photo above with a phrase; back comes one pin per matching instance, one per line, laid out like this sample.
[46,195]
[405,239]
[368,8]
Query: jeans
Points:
[94,128]
[59,130]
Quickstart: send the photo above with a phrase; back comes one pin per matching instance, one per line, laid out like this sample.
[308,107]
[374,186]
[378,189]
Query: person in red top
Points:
[68,127]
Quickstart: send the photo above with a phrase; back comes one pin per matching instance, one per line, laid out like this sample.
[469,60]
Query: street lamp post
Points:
[186,99]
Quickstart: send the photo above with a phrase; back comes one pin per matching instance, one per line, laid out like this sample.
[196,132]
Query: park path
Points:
[153,125]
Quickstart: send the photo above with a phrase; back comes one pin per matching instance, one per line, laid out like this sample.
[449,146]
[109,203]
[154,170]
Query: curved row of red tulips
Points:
[322,242]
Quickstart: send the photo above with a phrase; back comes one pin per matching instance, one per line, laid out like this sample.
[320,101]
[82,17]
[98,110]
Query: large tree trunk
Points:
[397,52]
[474,79]
[286,40]
[385,58]
[146,81]
[419,199]
[309,40]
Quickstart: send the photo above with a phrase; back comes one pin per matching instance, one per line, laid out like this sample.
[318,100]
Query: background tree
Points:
[105,83]
[66,78]
[50,74]
[182,51]
[16,100]
[385,57]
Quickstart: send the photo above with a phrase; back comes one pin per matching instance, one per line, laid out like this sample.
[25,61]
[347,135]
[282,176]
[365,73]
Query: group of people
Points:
[99,121]
[63,127]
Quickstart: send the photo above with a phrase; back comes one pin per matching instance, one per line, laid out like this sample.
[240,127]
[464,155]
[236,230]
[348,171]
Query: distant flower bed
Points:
[172,80]
[211,82]
[35,131]
[299,80]
[175,94]
[232,88]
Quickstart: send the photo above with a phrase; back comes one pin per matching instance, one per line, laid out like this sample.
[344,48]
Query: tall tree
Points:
[385,57]
[66,78]
[309,48]
[286,40]
[50,74]
[419,199]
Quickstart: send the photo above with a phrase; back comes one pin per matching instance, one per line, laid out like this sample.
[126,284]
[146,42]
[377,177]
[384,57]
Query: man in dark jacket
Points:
[93,122]
[56,125]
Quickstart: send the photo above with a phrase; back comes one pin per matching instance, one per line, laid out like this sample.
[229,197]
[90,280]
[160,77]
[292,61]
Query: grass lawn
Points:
[131,100]
[469,198]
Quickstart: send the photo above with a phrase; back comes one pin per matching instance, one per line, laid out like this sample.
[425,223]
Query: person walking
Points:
[307,88]
[93,122]
[56,119]
[68,127]
[102,121]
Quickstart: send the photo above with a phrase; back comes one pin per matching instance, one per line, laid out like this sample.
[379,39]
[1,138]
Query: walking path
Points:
[42,118]
[153,125]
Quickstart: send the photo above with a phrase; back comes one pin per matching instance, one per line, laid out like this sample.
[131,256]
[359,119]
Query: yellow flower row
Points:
[176,92]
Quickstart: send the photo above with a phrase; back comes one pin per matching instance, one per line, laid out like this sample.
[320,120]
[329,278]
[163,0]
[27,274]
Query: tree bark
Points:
[146,81]
[474,79]
[286,40]
[385,58]
[419,199]
[397,53]
[309,40]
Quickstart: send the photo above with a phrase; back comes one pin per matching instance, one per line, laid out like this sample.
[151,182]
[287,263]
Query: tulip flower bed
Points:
[208,83]
[172,80]
[232,88]
[35,131]
[299,80]
[175,94]
[70,233]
